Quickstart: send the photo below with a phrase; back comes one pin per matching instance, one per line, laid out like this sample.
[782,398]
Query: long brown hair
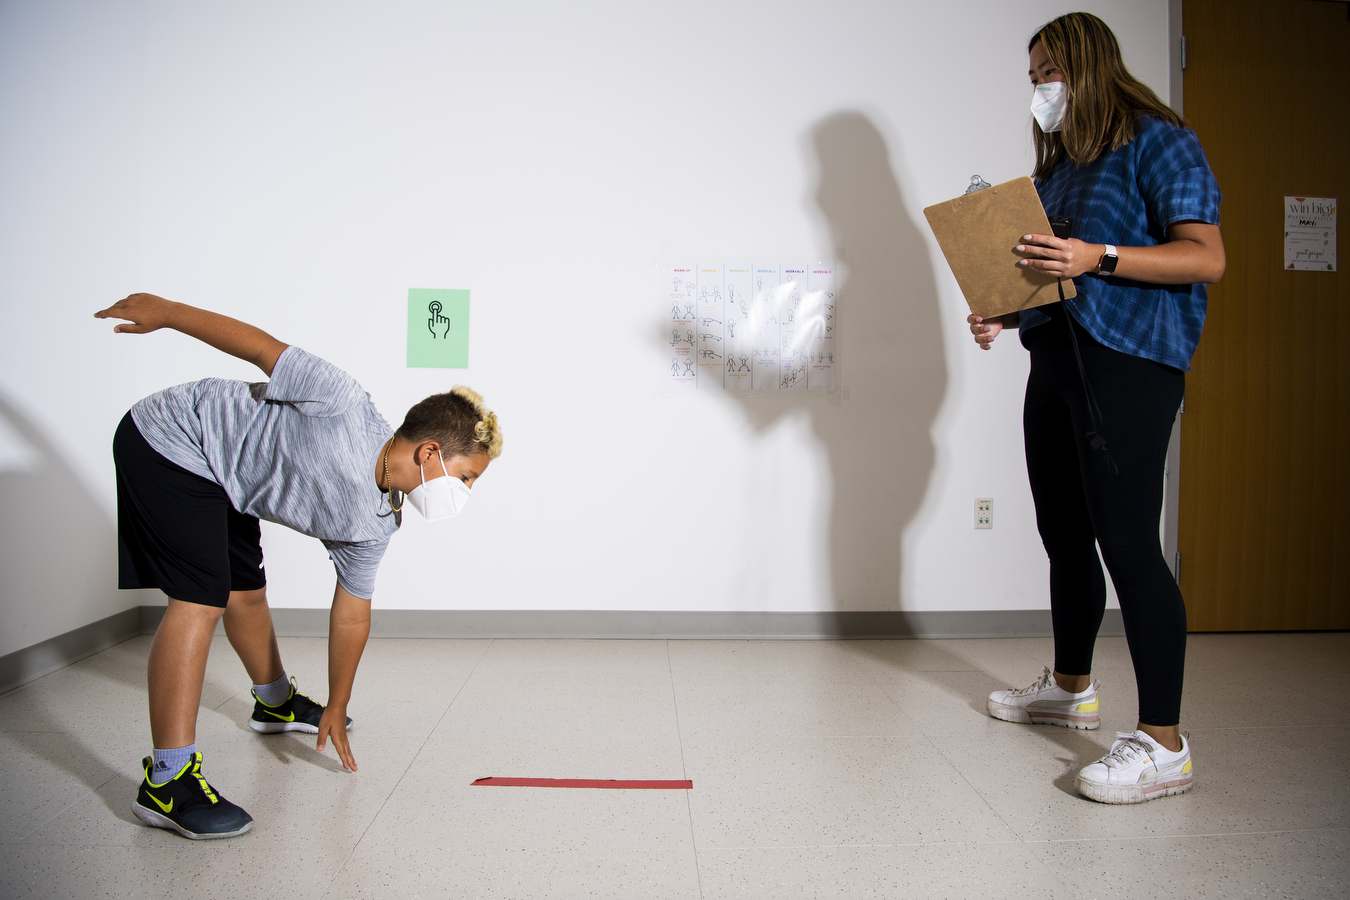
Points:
[1104,98]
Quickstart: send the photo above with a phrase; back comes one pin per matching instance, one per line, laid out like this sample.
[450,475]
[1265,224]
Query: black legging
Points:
[1081,503]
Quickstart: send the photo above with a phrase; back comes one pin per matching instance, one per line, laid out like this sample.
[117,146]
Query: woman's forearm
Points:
[231,336]
[348,630]
[1192,254]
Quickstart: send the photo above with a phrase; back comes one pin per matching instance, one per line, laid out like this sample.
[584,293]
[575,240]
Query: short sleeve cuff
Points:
[1192,197]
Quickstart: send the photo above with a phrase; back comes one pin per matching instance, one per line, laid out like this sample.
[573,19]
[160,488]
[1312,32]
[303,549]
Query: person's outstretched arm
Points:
[348,630]
[148,313]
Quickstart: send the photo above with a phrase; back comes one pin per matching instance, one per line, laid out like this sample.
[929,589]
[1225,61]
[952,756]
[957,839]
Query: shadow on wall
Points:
[58,547]
[880,447]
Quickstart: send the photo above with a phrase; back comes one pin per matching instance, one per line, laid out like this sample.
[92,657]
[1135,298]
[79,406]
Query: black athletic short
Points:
[177,531]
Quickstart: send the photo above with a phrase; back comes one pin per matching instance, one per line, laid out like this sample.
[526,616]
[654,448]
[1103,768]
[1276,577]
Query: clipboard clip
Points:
[977,184]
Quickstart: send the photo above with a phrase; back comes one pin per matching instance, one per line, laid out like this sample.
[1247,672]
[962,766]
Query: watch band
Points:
[1109,259]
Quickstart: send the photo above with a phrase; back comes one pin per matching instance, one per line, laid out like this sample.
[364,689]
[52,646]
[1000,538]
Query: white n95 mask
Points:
[1048,103]
[439,498]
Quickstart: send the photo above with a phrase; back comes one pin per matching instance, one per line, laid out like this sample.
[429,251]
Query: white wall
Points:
[301,165]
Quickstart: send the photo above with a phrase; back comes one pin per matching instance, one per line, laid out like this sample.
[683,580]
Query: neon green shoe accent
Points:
[167,807]
[197,773]
[1088,707]
[1186,768]
[145,763]
[279,705]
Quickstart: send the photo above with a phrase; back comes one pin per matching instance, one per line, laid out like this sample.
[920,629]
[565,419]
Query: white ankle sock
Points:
[274,693]
[1163,752]
[1083,693]
[164,764]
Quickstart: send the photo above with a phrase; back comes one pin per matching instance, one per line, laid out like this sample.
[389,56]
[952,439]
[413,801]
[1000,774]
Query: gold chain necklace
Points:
[388,485]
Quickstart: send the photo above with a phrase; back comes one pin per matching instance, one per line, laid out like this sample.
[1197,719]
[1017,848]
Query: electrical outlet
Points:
[984,512]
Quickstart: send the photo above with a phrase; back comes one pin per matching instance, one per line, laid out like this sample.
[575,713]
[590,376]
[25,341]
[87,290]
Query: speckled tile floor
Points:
[862,768]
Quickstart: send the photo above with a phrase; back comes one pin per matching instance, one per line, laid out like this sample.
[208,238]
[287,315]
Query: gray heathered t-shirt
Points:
[299,450]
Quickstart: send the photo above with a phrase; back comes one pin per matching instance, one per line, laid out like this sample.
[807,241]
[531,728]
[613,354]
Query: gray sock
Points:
[165,764]
[274,693]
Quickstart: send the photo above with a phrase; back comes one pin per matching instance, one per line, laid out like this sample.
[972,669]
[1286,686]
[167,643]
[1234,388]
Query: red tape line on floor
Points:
[588,783]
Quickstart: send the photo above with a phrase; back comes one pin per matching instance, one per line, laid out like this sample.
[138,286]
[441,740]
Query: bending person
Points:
[199,464]
[1107,375]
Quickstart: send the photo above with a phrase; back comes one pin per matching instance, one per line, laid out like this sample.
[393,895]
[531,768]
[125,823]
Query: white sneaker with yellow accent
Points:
[1046,703]
[1137,769]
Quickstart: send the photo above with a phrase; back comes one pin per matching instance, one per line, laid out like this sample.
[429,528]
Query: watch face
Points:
[1109,264]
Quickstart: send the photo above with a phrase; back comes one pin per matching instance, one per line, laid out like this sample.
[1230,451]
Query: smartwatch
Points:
[1109,259]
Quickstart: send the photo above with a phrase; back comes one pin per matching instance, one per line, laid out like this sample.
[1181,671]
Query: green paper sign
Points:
[438,329]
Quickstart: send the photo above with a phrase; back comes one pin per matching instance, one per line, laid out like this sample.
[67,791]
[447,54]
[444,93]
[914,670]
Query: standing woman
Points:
[1107,376]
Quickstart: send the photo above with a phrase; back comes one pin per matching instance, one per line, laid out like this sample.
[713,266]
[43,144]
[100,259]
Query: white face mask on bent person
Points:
[439,498]
[1048,104]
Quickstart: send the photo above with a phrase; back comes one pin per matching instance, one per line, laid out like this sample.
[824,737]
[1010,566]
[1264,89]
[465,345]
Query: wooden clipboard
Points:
[977,233]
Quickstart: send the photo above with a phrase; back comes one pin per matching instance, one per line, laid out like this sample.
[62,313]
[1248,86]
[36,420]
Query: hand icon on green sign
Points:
[438,328]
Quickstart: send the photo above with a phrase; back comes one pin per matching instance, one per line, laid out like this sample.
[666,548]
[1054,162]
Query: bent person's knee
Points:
[240,600]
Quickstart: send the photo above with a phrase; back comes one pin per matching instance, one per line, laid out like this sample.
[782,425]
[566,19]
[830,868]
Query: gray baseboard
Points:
[25,665]
[45,657]
[674,625]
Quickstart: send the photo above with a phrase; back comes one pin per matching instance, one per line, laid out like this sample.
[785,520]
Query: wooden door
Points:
[1264,531]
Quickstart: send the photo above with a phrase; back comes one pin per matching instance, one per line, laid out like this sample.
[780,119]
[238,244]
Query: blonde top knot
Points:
[458,420]
[486,431]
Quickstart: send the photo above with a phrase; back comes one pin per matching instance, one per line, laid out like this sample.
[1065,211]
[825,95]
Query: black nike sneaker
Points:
[188,805]
[298,713]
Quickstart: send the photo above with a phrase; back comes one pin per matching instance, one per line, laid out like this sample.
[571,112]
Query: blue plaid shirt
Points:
[1129,197]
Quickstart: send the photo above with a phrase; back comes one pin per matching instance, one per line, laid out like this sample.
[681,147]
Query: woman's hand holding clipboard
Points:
[980,234]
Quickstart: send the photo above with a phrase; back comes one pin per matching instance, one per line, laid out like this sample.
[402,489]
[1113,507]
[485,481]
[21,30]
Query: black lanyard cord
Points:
[1094,436]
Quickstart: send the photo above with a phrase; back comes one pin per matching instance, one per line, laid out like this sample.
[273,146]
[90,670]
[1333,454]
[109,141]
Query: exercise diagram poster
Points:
[743,326]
